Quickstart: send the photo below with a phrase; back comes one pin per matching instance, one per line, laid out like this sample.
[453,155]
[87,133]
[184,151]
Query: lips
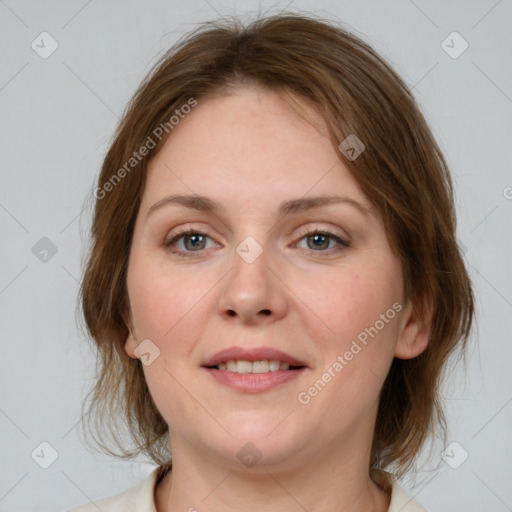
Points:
[252,355]
[254,370]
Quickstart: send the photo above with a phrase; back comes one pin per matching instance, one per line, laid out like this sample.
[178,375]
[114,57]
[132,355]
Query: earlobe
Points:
[414,336]
[131,341]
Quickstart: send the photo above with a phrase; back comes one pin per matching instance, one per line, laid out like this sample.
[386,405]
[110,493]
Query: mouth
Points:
[253,360]
[253,370]
[263,366]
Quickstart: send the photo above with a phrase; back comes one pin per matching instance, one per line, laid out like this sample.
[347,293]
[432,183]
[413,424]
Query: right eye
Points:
[191,240]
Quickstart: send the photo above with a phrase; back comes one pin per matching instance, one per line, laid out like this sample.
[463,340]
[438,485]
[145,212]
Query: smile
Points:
[263,366]
[253,370]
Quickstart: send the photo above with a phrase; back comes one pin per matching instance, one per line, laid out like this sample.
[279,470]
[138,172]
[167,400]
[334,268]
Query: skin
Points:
[250,151]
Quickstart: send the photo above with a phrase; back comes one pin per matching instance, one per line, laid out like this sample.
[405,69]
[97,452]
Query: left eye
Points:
[320,241]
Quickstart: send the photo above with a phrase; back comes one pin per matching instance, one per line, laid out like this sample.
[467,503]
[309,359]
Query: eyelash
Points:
[190,231]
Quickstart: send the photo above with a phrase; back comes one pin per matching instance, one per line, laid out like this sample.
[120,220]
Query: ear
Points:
[416,322]
[131,340]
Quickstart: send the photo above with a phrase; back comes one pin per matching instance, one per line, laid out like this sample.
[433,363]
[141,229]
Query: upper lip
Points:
[252,354]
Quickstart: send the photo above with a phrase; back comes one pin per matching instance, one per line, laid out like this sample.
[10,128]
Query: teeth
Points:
[264,366]
[273,366]
[243,367]
[260,367]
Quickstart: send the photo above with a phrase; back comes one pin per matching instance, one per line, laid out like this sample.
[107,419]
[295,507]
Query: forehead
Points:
[250,143]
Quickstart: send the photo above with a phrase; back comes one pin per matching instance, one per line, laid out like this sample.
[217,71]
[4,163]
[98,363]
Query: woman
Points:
[274,284]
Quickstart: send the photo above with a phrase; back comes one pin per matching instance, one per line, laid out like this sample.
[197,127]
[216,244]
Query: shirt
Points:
[141,499]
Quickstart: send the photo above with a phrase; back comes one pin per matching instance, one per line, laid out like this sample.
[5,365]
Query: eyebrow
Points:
[206,204]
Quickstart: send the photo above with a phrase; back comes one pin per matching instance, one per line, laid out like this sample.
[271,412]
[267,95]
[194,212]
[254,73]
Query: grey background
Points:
[58,115]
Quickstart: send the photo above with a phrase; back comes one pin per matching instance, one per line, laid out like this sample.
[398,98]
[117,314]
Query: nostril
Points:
[231,312]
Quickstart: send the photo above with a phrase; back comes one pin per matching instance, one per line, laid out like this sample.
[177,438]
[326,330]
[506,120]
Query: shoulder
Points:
[402,502]
[136,499]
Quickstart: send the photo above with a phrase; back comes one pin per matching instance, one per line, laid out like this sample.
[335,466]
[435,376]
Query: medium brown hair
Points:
[401,170]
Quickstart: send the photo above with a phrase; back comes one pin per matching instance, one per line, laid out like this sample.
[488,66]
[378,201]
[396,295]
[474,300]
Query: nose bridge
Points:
[251,292]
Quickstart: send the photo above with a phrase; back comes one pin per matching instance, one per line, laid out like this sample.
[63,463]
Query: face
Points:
[282,259]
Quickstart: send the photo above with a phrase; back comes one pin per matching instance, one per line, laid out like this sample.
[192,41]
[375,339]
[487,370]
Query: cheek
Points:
[165,308]
[350,300]
[357,344]
[162,302]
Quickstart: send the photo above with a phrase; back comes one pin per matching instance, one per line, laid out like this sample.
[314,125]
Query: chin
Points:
[258,443]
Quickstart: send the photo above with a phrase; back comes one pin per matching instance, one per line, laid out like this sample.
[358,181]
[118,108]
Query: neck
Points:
[329,481]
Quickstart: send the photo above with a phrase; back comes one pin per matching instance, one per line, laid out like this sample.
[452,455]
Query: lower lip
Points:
[254,382]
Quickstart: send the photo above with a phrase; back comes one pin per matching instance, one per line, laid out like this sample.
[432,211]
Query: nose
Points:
[253,292]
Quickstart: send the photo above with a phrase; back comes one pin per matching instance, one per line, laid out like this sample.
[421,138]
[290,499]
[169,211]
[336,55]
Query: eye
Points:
[321,241]
[187,241]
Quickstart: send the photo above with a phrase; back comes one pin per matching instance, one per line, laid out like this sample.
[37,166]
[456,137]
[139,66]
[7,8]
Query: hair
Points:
[401,170]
